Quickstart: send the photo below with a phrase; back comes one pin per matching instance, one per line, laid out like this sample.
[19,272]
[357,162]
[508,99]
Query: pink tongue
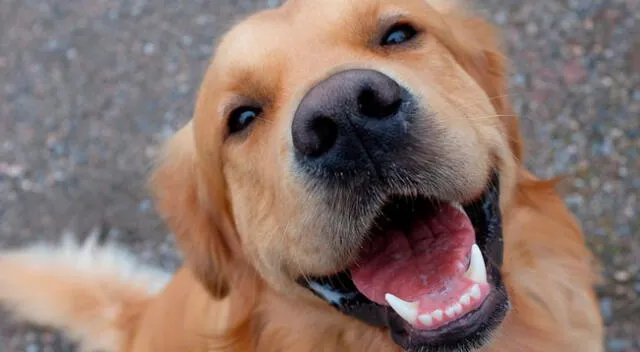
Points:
[428,261]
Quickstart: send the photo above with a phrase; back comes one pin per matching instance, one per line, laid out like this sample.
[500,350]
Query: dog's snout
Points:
[348,114]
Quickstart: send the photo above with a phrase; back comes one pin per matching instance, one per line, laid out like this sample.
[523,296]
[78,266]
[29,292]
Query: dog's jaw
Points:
[412,328]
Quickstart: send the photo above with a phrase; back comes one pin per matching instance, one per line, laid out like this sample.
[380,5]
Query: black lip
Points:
[471,330]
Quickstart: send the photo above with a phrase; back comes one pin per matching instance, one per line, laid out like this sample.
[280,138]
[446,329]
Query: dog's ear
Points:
[476,45]
[193,211]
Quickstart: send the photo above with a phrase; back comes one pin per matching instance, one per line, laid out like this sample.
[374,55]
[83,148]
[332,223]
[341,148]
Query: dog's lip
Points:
[484,213]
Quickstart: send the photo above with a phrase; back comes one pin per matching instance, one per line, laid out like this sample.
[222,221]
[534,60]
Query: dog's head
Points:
[361,150]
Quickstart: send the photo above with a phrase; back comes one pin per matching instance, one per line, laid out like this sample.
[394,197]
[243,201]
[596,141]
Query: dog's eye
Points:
[241,118]
[398,34]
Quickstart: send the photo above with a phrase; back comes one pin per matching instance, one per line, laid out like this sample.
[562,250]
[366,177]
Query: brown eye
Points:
[399,33]
[241,118]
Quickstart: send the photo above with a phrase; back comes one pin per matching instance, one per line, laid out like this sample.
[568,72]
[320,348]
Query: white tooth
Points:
[465,299]
[457,308]
[426,319]
[450,312]
[437,314]
[475,291]
[477,270]
[458,206]
[407,310]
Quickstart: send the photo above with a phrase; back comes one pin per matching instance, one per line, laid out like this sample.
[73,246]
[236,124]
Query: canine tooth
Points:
[458,206]
[465,299]
[475,291]
[450,311]
[477,270]
[407,310]
[426,319]
[437,314]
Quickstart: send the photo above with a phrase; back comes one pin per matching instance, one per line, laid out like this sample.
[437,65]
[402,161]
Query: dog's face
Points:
[358,149]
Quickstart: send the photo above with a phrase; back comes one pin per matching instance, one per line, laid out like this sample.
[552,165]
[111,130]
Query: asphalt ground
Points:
[89,88]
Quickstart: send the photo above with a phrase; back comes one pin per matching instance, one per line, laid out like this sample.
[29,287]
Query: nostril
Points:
[326,132]
[372,103]
[318,137]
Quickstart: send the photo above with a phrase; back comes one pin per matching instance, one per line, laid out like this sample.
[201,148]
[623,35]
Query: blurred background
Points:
[89,88]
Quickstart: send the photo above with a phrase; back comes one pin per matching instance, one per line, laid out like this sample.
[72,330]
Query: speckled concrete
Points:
[89,88]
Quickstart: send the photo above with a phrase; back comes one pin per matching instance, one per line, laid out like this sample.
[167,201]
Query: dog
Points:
[351,180]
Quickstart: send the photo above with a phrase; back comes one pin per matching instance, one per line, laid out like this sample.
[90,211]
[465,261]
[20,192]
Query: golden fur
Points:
[248,228]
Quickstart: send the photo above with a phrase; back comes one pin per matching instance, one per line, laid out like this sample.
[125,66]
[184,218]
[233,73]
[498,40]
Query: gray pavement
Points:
[89,88]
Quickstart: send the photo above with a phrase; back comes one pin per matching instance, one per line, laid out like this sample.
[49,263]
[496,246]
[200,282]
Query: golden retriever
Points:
[351,180]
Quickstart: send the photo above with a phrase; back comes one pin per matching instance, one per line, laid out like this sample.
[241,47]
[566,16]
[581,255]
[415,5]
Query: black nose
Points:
[350,113]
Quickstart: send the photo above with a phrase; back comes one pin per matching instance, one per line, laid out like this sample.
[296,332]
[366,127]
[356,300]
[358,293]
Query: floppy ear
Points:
[477,47]
[184,200]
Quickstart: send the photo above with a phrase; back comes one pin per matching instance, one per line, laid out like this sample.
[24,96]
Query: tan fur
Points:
[95,293]
[248,227]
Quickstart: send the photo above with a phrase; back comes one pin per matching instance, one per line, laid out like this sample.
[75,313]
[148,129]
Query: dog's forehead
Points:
[301,27]
[301,41]
[286,36]
[338,6]
[294,21]
[312,5]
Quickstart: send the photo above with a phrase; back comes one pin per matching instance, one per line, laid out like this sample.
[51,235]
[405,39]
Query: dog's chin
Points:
[429,271]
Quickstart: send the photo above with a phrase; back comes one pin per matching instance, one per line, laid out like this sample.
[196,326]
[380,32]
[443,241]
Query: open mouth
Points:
[429,271]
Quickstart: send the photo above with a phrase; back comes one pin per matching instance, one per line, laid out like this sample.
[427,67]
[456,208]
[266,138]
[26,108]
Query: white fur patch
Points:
[94,259]
[329,294]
